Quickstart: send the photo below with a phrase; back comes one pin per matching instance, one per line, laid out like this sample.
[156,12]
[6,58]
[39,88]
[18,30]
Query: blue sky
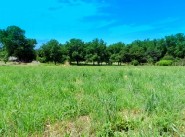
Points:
[111,20]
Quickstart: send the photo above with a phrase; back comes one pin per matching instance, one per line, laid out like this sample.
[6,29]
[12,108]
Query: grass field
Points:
[92,101]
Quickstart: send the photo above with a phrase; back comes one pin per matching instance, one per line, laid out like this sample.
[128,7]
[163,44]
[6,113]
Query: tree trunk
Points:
[98,63]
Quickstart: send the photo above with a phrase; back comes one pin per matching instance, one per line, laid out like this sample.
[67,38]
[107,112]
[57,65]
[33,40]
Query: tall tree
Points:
[180,47]
[97,51]
[16,44]
[114,51]
[171,43]
[137,52]
[51,52]
[125,54]
[76,50]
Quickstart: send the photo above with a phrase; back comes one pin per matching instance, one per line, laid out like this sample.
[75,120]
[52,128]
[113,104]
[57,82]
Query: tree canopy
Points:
[50,52]
[13,42]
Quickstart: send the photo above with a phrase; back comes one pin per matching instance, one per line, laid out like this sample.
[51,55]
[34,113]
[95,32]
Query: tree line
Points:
[163,51]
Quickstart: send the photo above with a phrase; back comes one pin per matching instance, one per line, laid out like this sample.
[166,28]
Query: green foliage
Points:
[164,63]
[137,52]
[96,51]
[76,50]
[3,56]
[167,57]
[115,48]
[179,62]
[50,52]
[16,44]
[135,62]
[115,58]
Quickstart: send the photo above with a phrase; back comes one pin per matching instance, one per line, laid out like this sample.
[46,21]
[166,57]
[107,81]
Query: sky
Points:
[111,20]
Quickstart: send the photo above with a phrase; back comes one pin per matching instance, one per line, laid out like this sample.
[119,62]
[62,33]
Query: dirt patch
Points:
[66,63]
[34,63]
[134,113]
[79,127]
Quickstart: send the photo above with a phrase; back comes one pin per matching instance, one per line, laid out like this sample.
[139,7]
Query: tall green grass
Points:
[119,101]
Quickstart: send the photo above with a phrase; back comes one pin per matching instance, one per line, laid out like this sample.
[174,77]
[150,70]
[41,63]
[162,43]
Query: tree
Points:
[125,55]
[116,48]
[115,58]
[171,43]
[90,55]
[26,52]
[137,52]
[16,44]
[114,52]
[51,51]
[3,55]
[180,48]
[152,53]
[96,51]
[76,50]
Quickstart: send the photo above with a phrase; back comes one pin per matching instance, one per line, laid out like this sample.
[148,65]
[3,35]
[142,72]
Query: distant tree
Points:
[3,55]
[125,55]
[76,50]
[115,58]
[50,52]
[171,43]
[161,47]
[137,52]
[90,55]
[16,44]
[180,47]
[152,54]
[114,51]
[175,45]
[65,56]
[116,47]
[26,52]
[96,51]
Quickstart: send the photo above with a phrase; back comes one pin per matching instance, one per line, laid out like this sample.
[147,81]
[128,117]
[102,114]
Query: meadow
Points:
[92,101]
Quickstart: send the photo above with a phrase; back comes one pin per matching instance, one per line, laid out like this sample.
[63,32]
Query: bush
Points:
[168,57]
[135,62]
[179,62]
[164,63]
[41,59]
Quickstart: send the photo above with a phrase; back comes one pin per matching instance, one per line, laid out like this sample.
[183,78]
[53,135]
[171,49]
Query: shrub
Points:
[179,62]
[41,59]
[168,57]
[135,62]
[164,63]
